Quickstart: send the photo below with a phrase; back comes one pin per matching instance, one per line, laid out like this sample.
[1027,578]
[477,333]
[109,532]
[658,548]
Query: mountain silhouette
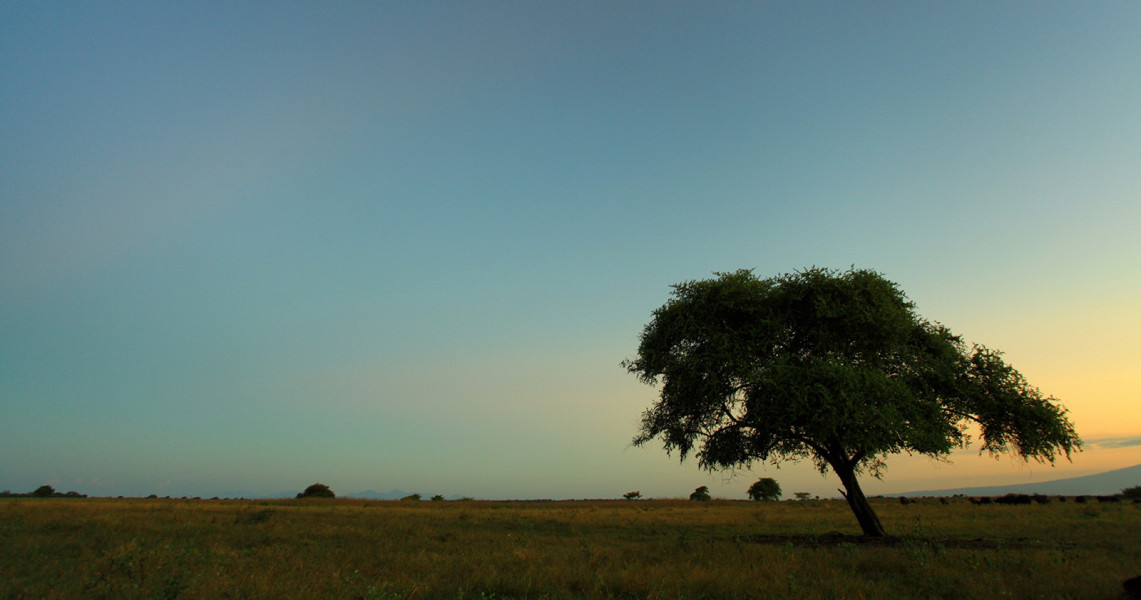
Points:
[1100,484]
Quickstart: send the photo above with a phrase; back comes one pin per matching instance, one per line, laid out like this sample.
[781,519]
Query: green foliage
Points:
[701,494]
[317,490]
[437,498]
[765,489]
[44,491]
[830,366]
[632,495]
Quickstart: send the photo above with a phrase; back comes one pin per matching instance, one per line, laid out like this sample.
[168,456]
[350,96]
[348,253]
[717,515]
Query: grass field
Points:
[164,548]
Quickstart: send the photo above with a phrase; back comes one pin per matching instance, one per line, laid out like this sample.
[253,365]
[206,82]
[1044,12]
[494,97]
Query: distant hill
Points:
[1101,484]
[375,495]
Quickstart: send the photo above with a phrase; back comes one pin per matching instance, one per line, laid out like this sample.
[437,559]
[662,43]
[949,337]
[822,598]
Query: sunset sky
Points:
[246,247]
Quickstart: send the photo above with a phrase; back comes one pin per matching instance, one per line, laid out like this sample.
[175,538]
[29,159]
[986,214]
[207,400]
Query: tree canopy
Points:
[765,489]
[701,493]
[831,366]
[44,491]
[317,490]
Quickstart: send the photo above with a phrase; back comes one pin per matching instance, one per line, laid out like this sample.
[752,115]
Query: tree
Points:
[44,491]
[766,489]
[831,366]
[701,494]
[632,495]
[317,490]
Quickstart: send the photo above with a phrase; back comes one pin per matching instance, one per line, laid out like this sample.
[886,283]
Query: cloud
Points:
[1118,442]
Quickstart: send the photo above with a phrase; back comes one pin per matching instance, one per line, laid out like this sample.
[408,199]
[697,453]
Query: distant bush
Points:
[765,489]
[44,491]
[632,495]
[437,498]
[1014,499]
[411,498]
[317,490]
[1133,493]
[701,494]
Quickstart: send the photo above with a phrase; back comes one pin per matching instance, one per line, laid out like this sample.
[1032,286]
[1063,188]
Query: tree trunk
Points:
[869,522]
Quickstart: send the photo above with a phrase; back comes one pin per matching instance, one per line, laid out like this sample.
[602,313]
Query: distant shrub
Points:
[701,494]
[765,489]
[632,495]
[411,498]
[1014,499]
[317,490]
[801,495]
[1133,493]
[437,498]
[44,491]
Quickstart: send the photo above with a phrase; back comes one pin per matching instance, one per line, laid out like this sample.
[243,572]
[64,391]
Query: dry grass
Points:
[100,548]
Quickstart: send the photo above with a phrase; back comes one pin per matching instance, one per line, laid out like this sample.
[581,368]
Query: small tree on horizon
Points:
[44,491]
[632,495]
[765,489]
[831,366]
[701,494]
[317,490]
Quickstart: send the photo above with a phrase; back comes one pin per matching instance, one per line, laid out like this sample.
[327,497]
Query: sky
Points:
[246,247]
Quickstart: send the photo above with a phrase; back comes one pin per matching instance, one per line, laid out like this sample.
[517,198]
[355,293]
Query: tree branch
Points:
[729,414]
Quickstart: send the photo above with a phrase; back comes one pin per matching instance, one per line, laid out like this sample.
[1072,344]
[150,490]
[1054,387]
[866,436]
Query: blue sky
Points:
[248,247]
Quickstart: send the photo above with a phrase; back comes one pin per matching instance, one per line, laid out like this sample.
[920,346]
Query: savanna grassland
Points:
[169,548]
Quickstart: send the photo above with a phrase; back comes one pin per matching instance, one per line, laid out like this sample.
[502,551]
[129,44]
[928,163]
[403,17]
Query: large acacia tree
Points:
[831,366]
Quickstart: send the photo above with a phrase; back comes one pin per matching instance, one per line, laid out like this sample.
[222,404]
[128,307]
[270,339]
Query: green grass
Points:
[103,548]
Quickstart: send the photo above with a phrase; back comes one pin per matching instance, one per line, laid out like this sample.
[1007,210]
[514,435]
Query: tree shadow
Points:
[835,538]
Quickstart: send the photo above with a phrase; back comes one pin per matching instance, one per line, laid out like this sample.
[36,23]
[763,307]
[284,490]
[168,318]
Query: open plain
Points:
[175,548]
